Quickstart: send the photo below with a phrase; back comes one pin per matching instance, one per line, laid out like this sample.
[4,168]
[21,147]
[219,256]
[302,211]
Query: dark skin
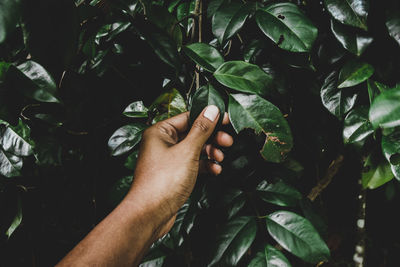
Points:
[165,175]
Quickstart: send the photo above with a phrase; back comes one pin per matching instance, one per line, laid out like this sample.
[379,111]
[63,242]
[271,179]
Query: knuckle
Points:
[201,125]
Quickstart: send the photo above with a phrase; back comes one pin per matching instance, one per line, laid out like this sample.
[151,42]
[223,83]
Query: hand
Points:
[169,163]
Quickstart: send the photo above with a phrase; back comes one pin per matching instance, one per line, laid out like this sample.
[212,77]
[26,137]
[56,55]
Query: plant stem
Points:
[359,255]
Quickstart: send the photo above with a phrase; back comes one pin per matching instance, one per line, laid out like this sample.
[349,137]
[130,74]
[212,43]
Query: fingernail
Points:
[211,112]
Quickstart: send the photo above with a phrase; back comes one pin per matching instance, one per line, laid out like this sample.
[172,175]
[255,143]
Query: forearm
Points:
[121,239]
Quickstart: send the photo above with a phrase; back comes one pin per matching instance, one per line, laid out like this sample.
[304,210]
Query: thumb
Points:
[202,128]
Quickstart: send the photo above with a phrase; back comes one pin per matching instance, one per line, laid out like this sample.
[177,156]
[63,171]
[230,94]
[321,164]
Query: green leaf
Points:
[374,89]
[233,241]
[17,219]
[297,235]
[354,72]
[10,165]
[213,6]
[154,259]
[270,257]
[136,110]
[125,138]
[16,140]
[352,40]
[349,12]
[130,162]
[119,190]
[205,96]
[252,111]
[278,193]
[357,126]
[43,87]
[393,21]
[338,101]
[204,55]
[244,77]
[376,172]
[391,151]
[286,25]
[252,50]
[385,110]
[9,17]
[229,19]
[183,11]
[168,105]
[232,202]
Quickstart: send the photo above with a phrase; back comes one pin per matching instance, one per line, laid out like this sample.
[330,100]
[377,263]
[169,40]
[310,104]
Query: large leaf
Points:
[10,165]
[385,110]
[233,241]
[9,16]
[338,101]
[270,257]
[286,25]
[136,110]
[393,21]
[43,87]
[244,77]
[252,111]
[205,96]
[352,40]
[16,140]
[278,193]
[204,55]
[354,72]
[391,151]
[350,12]
[297,235]
[357,126]
[376,172]
[167,105]
[229,19]
[125,138]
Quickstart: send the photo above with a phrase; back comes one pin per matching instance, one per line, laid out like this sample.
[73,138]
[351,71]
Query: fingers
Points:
[207,166]
[202,129]
[214,153]
[223,139]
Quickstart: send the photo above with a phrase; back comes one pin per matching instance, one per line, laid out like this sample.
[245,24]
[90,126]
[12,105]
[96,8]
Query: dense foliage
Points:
[312,89]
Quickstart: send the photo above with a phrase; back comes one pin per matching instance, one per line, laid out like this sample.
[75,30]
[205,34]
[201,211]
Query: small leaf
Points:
[168,105]
[353,41]
[338,101]
[349,12]
[357,126]
[354,72]
[244,77]
[10,165]
[270,257]
[376,172]
[229,19]
[278,193]
[385,110]
[9,16]
[205,96]
[204,55]
[130,162]
[233,241]
[16,140]
[297,235]
[183,11]
[391,151]
[125,138]
[252,111]
[393,21]
[136,110]
[17,219]
[286,25]
[374,89]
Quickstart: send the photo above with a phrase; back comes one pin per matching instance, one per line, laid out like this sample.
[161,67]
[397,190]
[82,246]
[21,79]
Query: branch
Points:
[359,255]
[324,182]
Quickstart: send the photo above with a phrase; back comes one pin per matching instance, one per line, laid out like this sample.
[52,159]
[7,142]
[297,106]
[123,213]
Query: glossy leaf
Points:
[213,6]
[233,201]
[136,110]
[10,165]
[297,235]
[17,219]
[130,162]
[244,77]
[286,25]
[155,259]
[385,110]
[204,55]
[393,22]
[233,241]
[252,50]
[183,11]
[278,193]
[229,19]
[374,89]
[270,257]
[338,101]
[391,151]
[350,12]
[205,96]
[168,105]
[16,140]
[125,138]
[252,111]
[357,126]
[376,172]
[354,72]
[353,41]
[9,16]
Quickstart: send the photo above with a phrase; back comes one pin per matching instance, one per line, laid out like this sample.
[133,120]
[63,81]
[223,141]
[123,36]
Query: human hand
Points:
[169,163]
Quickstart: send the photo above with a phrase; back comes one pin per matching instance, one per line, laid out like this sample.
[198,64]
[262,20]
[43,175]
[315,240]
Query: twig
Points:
[25,108]
[324,182]
[229,48]
[359,255]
